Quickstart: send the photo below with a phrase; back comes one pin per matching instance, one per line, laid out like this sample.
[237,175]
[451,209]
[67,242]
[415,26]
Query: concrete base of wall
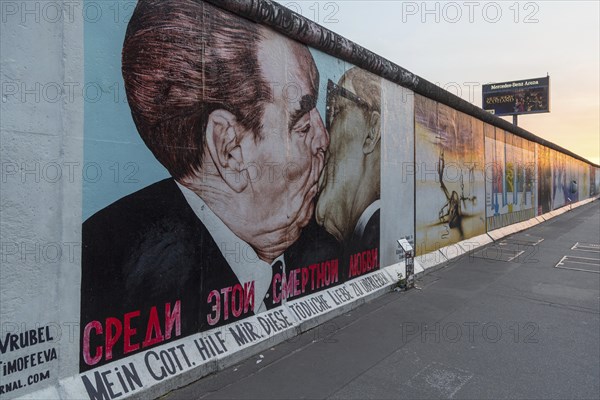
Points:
[224,346]
[230,344]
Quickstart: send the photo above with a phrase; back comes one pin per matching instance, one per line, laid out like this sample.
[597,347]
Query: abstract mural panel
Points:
[450,189]
[544,182]
[510,173]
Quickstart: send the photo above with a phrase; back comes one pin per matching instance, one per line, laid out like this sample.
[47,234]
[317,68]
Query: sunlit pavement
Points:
[481,328]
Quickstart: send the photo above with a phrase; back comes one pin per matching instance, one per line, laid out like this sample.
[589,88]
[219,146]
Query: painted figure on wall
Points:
[593,188]
[450,184]
[499,170]
[213,243]
[544,173]
[512,190]
[560,182]
[349,203]
[452,212]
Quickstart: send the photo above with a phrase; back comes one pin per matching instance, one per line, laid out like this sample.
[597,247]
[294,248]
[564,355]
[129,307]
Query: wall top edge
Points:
[297,27]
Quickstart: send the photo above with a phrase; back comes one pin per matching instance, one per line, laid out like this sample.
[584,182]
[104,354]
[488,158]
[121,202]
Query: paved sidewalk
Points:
[479,328]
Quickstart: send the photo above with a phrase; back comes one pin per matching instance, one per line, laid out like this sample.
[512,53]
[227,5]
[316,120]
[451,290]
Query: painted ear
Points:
[374,133]
[222,138]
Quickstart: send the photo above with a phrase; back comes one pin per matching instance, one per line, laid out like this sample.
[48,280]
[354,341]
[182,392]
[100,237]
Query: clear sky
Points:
[463,44]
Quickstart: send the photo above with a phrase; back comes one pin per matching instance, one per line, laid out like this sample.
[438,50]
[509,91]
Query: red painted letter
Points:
[89,360]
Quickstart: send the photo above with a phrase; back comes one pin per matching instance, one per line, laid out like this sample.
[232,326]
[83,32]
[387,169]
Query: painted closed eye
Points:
[303,130]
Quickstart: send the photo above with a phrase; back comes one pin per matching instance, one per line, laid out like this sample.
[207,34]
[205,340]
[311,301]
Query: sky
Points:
[461,45]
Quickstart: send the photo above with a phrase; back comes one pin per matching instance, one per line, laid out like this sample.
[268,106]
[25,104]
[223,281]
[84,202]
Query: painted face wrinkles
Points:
[285,163]
[347,124]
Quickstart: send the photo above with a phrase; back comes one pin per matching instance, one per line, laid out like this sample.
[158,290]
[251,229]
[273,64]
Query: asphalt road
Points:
[479,328]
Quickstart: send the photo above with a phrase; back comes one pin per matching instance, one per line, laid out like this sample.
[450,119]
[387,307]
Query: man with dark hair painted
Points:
[201,249]
[348,205]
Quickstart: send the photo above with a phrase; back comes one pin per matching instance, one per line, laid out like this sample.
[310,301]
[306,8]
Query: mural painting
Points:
[510,179]
[238,186]
[349,202]
[593,180]
[544,175]
[449,155]
[264,198]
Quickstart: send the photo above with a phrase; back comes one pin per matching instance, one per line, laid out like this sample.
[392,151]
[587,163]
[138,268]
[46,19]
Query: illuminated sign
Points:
[528,96]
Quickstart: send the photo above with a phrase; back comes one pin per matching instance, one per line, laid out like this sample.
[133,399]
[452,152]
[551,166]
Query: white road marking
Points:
[589,247]
[579,269]
[516,255]
[586,261]
[584,258]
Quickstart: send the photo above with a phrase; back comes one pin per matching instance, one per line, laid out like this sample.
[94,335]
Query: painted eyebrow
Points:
[307,103]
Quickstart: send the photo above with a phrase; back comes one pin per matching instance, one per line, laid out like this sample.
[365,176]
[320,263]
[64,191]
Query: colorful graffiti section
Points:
[510,183]
[563,180]
[544,176]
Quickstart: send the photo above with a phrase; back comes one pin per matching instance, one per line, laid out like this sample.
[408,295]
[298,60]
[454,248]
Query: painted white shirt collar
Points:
[242,258]
[365,217]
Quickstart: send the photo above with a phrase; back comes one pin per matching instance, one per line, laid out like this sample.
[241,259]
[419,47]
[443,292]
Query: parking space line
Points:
[579,269]
[582,258]
[589,247]
[560,262]
[516,255]
[521,241]
[585,263]
[571,260]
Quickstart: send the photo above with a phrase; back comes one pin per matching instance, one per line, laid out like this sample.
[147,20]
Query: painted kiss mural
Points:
[450,188]
[230,110]
[349,203]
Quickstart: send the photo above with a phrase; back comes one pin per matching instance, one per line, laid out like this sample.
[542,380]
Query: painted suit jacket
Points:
[149,249]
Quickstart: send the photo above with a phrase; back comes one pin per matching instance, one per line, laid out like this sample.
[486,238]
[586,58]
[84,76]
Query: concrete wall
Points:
[118,280]
[41,139]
